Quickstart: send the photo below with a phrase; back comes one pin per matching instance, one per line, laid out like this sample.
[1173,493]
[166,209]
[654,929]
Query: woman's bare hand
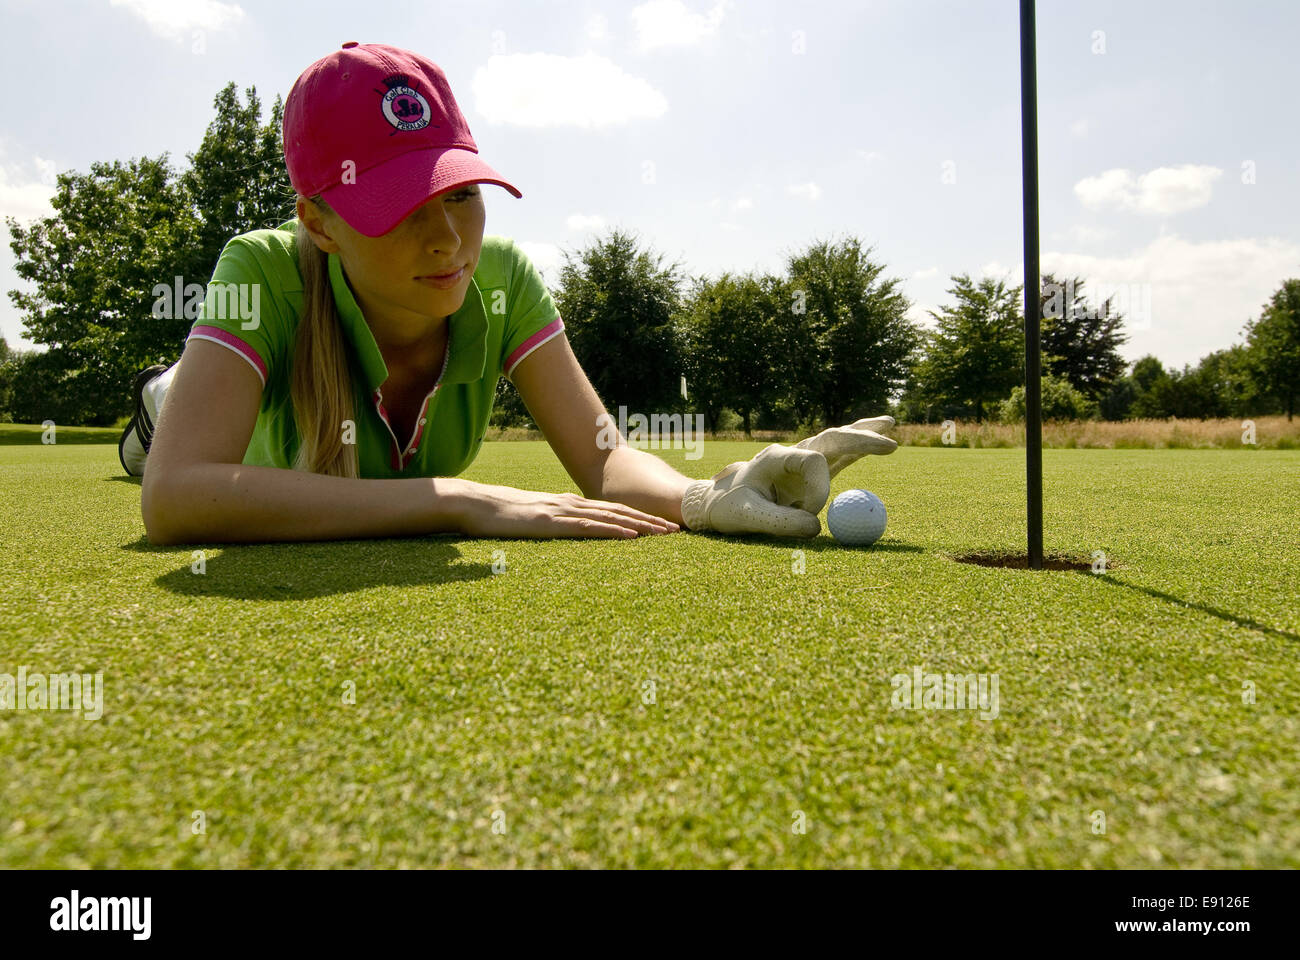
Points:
[497,511]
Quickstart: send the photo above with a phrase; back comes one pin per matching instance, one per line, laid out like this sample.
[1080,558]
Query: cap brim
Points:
[383,196]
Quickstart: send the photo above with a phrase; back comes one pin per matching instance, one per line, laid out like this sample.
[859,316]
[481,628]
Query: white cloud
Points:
[1182,299]
[1085,236]
[1174,189]
[729,226]
[25,198]
[919,313]
[547,90]
[179,19]
[743,203]
[870,156]
[1079,128]
[926,273]
[47,171]
[1114,188]
[577,221]
[670,23]
[597,28]
[546,257]
[1165,190]
[1200,294]
[808,190]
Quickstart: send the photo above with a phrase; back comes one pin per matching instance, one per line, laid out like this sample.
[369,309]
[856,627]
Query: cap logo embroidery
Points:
[403,107]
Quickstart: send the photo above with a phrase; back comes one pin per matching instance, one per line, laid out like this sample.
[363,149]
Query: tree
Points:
[618,304]
[237,180]
[115,235]
[1061,400]
[1221,385]
[730,337]
[1117,402]
[1273,343]
[1080,341]
[975,355]
[121,233]
[1146,371]
[7,367]
[848,342]
[508,408]
[1178,393]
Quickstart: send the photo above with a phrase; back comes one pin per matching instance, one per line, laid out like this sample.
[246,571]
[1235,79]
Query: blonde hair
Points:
[321,387]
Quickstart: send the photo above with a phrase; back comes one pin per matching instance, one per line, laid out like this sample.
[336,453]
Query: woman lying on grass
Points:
[344,367]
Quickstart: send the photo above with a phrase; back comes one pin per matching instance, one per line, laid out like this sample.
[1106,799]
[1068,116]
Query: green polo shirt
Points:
[507,314]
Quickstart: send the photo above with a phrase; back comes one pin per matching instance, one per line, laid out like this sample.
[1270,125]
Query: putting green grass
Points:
[672,701]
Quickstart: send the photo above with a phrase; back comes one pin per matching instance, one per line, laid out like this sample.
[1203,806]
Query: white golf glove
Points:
[782,489]
[842,446]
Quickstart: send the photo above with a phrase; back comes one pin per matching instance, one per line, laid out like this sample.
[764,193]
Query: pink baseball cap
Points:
[376,132]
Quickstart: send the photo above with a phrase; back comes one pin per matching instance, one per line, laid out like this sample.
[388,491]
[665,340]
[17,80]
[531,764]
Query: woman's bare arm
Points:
[196,488]
[565,406]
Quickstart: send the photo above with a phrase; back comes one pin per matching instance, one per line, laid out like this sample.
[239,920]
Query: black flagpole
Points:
[1033,304]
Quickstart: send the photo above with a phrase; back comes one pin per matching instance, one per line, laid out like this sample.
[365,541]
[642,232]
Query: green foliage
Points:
[731,341]
[120,234]
[6,381]
[237,179]
[115,234]
[1117,402]
[1060,400]
[1146,371]
[846,342]
[508,408]
[975,356]
[1079,340]
[618,304]
[1273,342]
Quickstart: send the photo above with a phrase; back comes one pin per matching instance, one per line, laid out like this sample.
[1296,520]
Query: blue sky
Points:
[728,135]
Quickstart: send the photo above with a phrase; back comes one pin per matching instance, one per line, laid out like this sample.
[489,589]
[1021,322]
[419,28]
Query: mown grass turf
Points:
[34,433]
[669,701]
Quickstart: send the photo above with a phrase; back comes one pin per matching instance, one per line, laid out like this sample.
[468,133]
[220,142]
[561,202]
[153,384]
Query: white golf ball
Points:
[856,518]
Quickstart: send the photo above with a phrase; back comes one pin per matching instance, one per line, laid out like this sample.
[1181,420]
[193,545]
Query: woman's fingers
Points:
[610,513]
[588,527]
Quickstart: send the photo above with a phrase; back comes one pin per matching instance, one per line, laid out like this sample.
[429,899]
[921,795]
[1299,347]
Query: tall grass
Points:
[1271,433]
[1275,433]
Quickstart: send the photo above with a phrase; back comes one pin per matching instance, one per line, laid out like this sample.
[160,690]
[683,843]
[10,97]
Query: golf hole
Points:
[1020,561]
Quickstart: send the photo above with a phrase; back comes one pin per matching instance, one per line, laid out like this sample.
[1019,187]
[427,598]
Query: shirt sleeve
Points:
[240,311]
[532,318]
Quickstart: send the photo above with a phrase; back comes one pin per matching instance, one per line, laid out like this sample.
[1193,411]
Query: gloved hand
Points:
[779,491]
[842,446]
[782,489]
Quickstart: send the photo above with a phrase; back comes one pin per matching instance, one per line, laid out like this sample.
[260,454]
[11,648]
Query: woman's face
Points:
[443,234]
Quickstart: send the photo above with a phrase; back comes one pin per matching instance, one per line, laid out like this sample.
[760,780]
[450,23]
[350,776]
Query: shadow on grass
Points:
[309,570]
[1223,615]
[816,544]
[123,478]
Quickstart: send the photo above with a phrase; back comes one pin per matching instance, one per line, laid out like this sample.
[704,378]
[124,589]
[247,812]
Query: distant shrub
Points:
[1060,401]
